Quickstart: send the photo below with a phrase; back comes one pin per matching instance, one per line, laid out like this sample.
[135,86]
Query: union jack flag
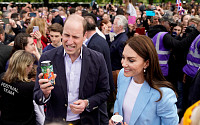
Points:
[180,10]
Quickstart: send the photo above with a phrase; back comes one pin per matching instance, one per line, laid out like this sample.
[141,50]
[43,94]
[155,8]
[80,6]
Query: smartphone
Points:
[5,20]
[131,19]
[32,14]
[140,31]
[35,28]
[150,13]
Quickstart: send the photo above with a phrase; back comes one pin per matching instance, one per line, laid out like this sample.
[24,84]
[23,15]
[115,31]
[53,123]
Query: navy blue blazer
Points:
[94,85]
[99,44]
[116,49]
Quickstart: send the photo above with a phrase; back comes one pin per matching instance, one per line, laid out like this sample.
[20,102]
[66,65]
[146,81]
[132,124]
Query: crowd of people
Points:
[109,60]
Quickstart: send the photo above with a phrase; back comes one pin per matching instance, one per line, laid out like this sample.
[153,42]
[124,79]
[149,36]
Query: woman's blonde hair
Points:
[18,64]
[37,22]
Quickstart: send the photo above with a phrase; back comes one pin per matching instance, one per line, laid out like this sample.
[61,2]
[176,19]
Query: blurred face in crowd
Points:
[2,37]
[101,12]
[177,29]
[193,12]
[175,17]
[73,37]
[133,64]
[55,38]
[116,28]
[185,20]
[30,47]
[155,20]
[166,25]
[106,17]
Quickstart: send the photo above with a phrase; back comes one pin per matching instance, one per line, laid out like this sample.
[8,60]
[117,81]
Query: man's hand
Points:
[78,106]
[45,85]
[12,23]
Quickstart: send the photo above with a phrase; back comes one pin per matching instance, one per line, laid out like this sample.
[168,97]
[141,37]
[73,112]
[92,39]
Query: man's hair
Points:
[122,21]
[72,10]
[91,25]
[22,14]
[194,19]
[15,16]
[1,30]
[78,18]
[56,27]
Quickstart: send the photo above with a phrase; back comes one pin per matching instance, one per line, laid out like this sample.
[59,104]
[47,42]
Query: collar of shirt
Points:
[117,35]
[88,40]
[81,54]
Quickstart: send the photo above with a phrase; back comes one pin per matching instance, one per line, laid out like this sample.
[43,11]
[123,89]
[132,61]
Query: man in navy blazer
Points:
[117,46]
[98,43]
[78,106]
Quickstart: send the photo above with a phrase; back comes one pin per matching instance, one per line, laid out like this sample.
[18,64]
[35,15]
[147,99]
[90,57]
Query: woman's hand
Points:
[112,123]
[36,53]
[37,35]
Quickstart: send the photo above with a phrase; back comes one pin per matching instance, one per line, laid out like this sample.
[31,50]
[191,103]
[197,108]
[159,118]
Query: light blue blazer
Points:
[146,110]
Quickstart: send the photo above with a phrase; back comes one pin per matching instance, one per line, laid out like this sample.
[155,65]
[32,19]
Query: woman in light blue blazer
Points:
[144,97]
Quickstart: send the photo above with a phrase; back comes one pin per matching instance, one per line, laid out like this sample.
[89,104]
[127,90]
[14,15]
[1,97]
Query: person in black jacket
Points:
[5,51]
[57,18]
[16,91]
[98,43]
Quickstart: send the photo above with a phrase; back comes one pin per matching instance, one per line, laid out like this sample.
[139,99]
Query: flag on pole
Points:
[180,10]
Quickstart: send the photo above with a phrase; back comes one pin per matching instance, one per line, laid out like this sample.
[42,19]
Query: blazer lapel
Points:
[84,69]
[141,102]
[59,62]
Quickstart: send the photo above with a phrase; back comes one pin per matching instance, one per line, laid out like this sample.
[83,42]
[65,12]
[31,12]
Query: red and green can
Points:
[47,70]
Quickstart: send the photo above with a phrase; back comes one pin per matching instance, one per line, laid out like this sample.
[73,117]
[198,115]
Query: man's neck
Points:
[90,33]
[120,32]
[57,45]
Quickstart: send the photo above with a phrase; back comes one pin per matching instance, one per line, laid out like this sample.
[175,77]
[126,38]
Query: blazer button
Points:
[65,105]
[64,119]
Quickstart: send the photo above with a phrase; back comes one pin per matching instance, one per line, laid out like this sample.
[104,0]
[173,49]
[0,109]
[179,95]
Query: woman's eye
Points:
[131,60]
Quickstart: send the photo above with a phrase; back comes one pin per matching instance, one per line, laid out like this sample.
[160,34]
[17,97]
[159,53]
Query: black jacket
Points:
[99,44]
[58,19]
[5,52]
[194,95]
[116,49]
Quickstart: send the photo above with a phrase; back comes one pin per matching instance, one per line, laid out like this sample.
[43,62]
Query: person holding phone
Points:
[39,34]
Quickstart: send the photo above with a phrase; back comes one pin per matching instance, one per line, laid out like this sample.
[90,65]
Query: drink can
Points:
[47,70]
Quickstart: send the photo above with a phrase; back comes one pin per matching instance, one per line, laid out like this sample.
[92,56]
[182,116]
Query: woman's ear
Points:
[146,64]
